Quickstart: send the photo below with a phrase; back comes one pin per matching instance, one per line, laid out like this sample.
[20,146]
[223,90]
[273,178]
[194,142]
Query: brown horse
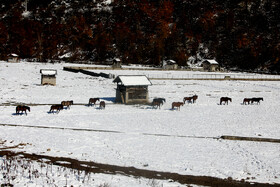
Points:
[22,108]
[67,104]
[56,107]
[102,105]
[256,100]
[156,104]
[225,100]
[92,101]
[189,99]
[247,100]
[177,104]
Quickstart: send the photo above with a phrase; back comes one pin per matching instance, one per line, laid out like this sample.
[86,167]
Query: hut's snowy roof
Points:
[48,72]
[133,80]
[13,55]
[211,61]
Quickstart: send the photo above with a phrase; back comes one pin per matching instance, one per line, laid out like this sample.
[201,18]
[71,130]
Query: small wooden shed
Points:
[210,65]
[116,63]
[13,58]
[48,76]
[170,65]
[132,89]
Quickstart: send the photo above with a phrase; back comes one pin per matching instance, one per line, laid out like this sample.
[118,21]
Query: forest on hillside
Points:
[241,34]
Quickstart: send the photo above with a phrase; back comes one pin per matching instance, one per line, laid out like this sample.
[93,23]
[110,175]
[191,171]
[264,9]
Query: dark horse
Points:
[22,108]
[247,100]
[92,101]
[194,98]
[56,107]
[257,100]
[225,100]
[190,99]
[177,104]
[158,102]
[102,105]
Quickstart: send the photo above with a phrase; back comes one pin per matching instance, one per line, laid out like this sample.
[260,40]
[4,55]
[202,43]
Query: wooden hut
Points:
[13,58]
[210,65]
[48,77]
[116,63]
[170,65]
[132,89]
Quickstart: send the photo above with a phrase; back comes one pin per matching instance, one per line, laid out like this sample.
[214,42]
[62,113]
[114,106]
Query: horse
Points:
[247,100]
[67,104]
[177,104]
[158,100]
[189,99]
[102,105]
[194,98]
[22,108]
[56,107]
[225,100]
[92,101]
[156,103]
[257,100]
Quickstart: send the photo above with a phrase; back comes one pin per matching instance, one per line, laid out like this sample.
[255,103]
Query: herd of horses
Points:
[156,103]
[20,109]
[246,101]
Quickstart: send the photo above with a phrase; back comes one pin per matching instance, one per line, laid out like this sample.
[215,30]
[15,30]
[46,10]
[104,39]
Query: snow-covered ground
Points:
[183,142]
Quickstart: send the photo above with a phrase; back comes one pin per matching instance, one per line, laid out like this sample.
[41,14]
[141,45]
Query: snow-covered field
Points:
[184,142]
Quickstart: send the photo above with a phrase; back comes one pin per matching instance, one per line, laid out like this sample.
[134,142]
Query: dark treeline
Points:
[239,34]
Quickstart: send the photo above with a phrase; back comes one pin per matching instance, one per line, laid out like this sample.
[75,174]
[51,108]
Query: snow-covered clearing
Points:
[184,142]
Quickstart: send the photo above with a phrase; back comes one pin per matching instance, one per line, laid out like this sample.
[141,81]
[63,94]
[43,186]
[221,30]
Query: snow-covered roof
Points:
[117,59]
[171,61]
[133,80]
[13,55]
[211,61]
[48,72]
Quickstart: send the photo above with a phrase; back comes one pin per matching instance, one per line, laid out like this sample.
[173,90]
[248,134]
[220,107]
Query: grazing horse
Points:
[156,104]
[56,107]
[92,101]
[177,104]
[102,105]
[189,99]
[22,108]
[257,100]
[67,104]
[247,100]
[225,100]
